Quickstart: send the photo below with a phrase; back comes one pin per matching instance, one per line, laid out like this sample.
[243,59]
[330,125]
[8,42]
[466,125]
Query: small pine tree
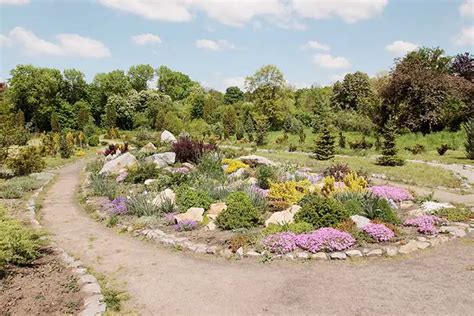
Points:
[249,127]
[378,143]
[389,148]
[324,149]
[342,140]
[55,126]
[261,128]
[469,145]
[302,135]
[65,148]
[110,115]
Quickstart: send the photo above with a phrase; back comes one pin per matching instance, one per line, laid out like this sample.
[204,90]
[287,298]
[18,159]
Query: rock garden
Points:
[196,197]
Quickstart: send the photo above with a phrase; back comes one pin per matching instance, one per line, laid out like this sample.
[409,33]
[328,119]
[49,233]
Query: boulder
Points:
[188,165]
[114,166]
[167,194]
[149,181]
[404,205]
[360,221]
[162,159]
[240,173]
[411,246]
[283,217]
[430,206]
[215,209]
[254,160]
[148,148]
[211,226]
[167,137]
[192,214]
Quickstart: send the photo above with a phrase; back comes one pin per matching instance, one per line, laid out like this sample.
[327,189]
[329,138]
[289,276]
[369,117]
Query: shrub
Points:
[239,241]
[280,243]
[94,166]
[240,212]
[233,165]
[455,214]
[361,144]
[325,239]
[442,149]
[19,244]
[167,206]
[288,193]
[66,147]
[416,149]
[142,205]
[296,228]
[187,197]
[320,212]
[265,174]
[15,187]
[391,193]
[353,182]
[27,161]
[103,186]
[342,140]
[469,145]
[378,232]
[93,141]
[337,170]
[378,208]
[210,165]
[141,172]
[188,150]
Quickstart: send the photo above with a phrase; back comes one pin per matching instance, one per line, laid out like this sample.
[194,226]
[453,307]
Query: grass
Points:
[56,162]
[430,141]
[113,297]
[16,187]
[411,173]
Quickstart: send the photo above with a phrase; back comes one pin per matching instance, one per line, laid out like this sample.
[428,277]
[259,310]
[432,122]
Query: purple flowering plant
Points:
[425,224]
[388,192]
[186,225]
[325,239]
[118,206]
[379,232]
[280,243]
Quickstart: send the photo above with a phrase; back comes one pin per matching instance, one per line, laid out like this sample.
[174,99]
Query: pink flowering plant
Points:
[325,239]
[378,232]
[280,243]
[391,193]
[425,224]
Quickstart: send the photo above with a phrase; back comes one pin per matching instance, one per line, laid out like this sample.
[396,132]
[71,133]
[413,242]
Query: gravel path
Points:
[161,282]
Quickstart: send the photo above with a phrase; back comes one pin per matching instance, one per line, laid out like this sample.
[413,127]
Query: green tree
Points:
[229,121]
[55,125]
[352,92]
[233,95]
[469,145]
[197,100]
[249,127]
[83,116]
[174,83]
[389,149]
[75,86]
[139,76]
[110,120]
[324,144]
[261,129]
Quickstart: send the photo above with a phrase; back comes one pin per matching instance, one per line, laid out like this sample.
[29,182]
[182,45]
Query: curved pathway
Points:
[161,282]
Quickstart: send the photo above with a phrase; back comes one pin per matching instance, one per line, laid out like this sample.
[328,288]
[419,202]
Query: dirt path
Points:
[162,282]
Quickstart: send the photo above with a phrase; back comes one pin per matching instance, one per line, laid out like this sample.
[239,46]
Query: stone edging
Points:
[94,303]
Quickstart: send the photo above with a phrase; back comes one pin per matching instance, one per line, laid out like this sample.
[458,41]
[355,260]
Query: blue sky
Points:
[219,43]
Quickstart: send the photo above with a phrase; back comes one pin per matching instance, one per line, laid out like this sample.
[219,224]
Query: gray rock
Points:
[163,196]
[211,250]
[240,252]
[290,256]
[254,160]
[360,221]
[283,217]
[148,148]
[423,244]
[455,231]
[302,255]
[375,253]
[192,214]
[353,253]
[434,242]
[167,137]
[252,254]
[411,246]
[87,278]
[337,255]
[406,204]
[116,165]
[319,256]
[391,251]
[240,173]
[93,288]
[162,159]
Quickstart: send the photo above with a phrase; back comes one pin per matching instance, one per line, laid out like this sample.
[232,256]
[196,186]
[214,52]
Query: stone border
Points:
[94,303]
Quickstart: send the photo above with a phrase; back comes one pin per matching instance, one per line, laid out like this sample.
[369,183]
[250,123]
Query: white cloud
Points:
[316,45]
[146,38]
[15,2]
[331,62]
[164,10]
[466,37]
[214,45]
[348,10]
[5,41]
[67,45]
[400,48]
[234,82]
[467,8]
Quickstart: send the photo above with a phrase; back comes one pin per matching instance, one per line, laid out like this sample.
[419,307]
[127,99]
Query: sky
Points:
[220,42]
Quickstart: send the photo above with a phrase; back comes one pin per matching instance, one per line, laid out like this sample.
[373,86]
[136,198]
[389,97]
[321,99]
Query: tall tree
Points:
[140,75]
[174,83]
[469,145]
[352,92]
[233,95]
[75,86]
[463,66]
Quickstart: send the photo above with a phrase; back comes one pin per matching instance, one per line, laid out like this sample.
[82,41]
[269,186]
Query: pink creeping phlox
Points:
[425,224]
[391,193]
[325,239]
[280,243]
[378,232]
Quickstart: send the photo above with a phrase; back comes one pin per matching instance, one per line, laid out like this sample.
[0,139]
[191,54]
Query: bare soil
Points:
[45,287]
[436,281]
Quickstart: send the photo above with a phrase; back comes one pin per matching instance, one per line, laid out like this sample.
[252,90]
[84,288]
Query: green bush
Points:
[66,148]
[94,141]
[455,214]
[240,212]
[141,205]
[19,244]
[15,187]
[187,197]
[103,186]
[321,212]
[211,165]
[265,174]
[27,161]
[142,172]
[297,228]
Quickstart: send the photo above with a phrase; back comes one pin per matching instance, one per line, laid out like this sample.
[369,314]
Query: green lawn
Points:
[411,173]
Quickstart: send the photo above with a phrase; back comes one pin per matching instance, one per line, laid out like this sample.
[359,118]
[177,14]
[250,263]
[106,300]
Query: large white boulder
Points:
[215,209]
[148,148]
[167,137]
[119,163]
[430,206]
[283,217]
[162,159]
[192,214]
[360,221]
[163,196]
[254,160]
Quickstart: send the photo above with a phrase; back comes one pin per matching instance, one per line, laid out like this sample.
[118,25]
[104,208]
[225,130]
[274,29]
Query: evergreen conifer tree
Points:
[389,149]
[324,149]
[469,145]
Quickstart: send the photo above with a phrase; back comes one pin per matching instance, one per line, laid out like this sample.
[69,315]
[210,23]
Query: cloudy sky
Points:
[219,42]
